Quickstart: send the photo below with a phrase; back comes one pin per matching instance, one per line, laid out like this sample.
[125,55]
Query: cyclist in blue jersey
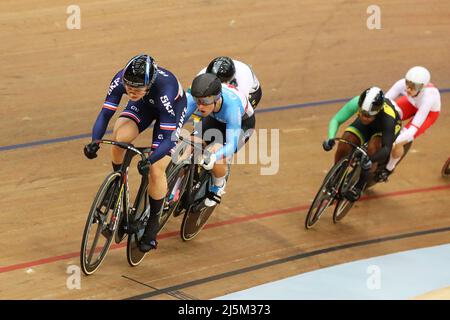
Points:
[227,122]
[154,94]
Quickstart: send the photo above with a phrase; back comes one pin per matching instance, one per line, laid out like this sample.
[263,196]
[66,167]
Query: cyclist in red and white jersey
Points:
[420,101]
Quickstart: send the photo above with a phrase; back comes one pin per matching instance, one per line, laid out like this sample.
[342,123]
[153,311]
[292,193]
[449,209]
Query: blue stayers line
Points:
[86,135]
[41,142]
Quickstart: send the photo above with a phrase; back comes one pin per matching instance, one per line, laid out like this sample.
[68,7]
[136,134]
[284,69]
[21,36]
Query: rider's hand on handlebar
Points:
[90,150]
[328,144]
[144,167]
[208,161]
[366,163]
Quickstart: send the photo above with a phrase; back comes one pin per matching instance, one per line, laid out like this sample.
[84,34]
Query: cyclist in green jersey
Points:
[378,124]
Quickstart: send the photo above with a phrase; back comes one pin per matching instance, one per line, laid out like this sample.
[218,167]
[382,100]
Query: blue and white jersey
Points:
[235,107]
[165,103]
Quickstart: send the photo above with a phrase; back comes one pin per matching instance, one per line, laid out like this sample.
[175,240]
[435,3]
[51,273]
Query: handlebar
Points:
[195,145]
[127,146]
[359,148]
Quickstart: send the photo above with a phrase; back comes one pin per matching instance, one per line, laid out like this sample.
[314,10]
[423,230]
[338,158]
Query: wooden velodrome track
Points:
[53,84]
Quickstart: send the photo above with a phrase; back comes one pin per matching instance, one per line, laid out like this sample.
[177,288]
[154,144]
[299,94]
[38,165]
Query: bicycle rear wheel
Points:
[326,194]
[343,206]
[101,225]
[194,220]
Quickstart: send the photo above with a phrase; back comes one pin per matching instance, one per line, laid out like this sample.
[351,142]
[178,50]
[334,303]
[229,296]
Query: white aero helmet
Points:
[418,77]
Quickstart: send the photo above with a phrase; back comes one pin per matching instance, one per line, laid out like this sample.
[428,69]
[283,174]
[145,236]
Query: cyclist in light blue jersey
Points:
[227,122]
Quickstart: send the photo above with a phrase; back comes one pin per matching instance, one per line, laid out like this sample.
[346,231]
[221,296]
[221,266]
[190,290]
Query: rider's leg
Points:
[214,134]
[157,191]
[356,133]
[344,149]
[125,130]
[407,135]
[219,171]
[373,146]
[407,110]
[396,154]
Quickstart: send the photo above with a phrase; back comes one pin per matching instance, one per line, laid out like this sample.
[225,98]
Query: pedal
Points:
[134,227]
[107,233]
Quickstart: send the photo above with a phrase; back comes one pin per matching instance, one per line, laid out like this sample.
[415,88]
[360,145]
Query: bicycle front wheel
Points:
[198,213]
[101,224]
[176,184]
[325,196]
[343,206]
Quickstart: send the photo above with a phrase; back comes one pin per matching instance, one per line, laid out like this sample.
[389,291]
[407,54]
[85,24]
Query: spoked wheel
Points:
[176,183]
[138,219]
[343,206]
[100,225]
[326,194]
[445,172]
[194,220]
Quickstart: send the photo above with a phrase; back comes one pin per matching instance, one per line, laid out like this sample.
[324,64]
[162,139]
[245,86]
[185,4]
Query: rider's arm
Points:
[430,98]
[100,125]
[233,131]
[427,102]
[112,101]
[170,124]
[346,112]
[387,140]
[396,90]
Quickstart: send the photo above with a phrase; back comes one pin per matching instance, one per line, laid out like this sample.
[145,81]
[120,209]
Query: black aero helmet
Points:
[140,71]
[223,67]
[205,85]
[371,101]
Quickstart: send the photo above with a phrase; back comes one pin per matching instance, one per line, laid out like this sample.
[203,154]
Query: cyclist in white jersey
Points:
[238,74]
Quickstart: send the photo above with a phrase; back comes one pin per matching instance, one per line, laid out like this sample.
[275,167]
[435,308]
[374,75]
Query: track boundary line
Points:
[240,219]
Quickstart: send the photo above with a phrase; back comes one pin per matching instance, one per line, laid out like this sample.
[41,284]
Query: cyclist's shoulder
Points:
[431,91]
[389,109]
[165,78]
[166,84]
[231,94]
[116,86]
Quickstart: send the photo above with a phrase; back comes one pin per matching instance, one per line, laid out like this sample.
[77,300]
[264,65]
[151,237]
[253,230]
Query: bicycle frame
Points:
[189,198]
[124,194]
[357,153]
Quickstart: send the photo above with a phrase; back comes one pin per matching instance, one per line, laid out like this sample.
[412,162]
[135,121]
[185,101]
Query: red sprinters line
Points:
[219,224]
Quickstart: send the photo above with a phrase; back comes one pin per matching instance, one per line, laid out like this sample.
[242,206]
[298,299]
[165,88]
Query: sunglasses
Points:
[414,86]
[206,100]
[137,88]
[366,114]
